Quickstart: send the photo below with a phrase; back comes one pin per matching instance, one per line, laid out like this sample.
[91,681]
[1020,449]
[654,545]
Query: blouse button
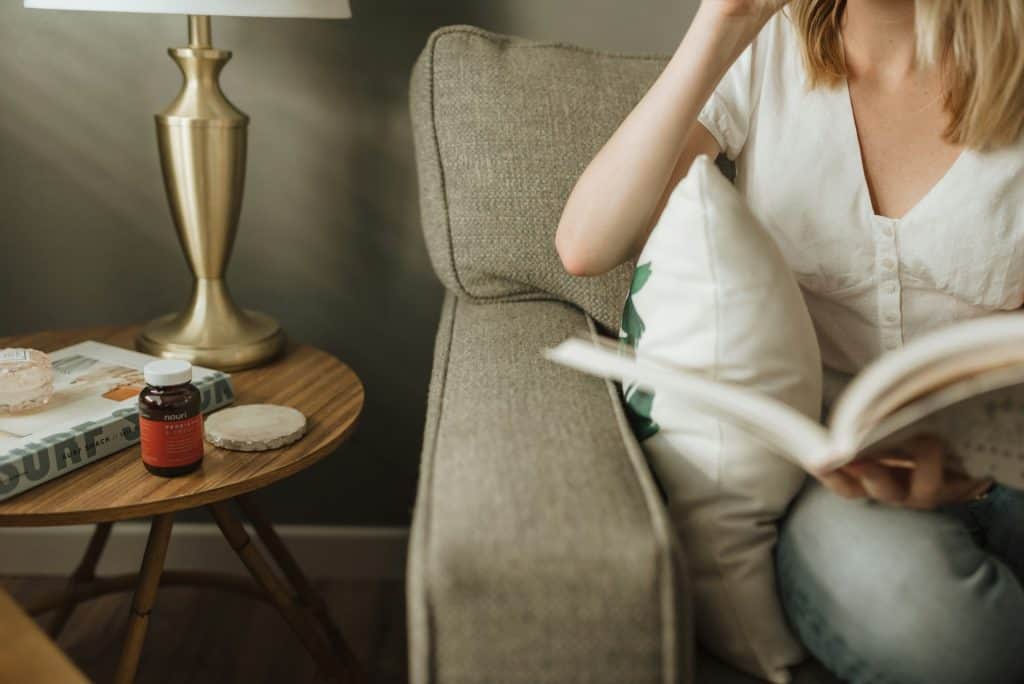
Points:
[890,287]
[888,264]
[892,318]
[887,231]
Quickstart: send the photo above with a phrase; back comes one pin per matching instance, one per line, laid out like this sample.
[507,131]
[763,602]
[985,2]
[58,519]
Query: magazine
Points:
[963,383]
[93,413]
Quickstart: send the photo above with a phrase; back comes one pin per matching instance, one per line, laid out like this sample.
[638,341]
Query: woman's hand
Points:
[746,8]
[915,477]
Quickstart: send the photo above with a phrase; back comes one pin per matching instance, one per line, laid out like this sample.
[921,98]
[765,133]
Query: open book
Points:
[964,383]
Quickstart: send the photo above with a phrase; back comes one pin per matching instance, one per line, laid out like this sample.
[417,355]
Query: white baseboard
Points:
[324,552]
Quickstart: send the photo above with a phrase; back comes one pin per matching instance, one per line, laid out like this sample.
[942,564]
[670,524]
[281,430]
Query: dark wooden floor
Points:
[200,636]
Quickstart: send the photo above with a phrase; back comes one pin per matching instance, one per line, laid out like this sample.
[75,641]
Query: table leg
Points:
[145,596]
[261,571]
[85,572]
[304,590]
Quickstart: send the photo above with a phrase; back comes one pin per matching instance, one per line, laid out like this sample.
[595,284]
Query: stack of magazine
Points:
[93,414]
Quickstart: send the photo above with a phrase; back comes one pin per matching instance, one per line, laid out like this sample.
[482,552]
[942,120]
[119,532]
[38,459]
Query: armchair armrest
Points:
[26,653]
[540,549]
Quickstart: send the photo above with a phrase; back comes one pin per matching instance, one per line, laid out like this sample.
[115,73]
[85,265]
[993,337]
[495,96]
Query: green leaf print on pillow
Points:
[638,402]
[632,325]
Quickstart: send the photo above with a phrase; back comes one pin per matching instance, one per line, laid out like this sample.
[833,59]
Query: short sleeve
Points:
[727,114]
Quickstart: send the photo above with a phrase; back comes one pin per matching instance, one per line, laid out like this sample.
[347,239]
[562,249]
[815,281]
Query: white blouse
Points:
[870,282]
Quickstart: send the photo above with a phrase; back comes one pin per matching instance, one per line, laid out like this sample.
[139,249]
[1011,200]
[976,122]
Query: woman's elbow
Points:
[574,257]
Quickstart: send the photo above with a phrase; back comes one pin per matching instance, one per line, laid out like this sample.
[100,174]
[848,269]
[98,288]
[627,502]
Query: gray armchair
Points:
[541,550]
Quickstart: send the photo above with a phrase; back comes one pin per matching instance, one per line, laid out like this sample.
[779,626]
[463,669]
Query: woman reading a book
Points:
[821,103]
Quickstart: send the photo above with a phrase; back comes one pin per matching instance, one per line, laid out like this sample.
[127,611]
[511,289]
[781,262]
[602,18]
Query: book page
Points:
[941,384]
[936,359]
[979,420]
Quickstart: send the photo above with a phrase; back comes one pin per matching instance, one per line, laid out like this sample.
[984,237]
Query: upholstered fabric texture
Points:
[541,551]
[504,127]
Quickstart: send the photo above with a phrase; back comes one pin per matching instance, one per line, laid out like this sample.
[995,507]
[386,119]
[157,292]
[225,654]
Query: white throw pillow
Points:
[712,292]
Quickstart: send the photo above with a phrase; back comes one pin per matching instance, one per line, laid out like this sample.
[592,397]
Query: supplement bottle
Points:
[170,419]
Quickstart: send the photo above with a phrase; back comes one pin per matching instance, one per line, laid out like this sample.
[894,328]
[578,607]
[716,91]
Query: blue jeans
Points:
[894,596]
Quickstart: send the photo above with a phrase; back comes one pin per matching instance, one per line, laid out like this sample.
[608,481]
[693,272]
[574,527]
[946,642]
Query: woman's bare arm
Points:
[620,195]
[699,142]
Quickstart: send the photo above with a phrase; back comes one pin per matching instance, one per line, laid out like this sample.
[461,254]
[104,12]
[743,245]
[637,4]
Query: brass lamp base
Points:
[202,139]
[214,332]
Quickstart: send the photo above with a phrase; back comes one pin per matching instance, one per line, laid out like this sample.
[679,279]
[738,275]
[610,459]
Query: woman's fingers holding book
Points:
[882,483]
[932,482]
[844,484]
[871,478]
[917,475]
[928,486]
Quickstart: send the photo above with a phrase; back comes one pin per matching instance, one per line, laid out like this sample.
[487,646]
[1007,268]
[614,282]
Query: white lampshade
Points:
[311,9]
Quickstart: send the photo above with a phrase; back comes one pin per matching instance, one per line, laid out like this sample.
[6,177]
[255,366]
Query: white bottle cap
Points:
[167,373]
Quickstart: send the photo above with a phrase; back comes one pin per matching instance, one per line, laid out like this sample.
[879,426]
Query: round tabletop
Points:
[119,488]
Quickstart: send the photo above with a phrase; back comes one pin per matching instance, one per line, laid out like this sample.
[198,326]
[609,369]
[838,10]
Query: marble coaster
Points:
[256,427]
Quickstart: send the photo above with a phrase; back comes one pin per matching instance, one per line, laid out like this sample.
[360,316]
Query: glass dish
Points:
[26,380]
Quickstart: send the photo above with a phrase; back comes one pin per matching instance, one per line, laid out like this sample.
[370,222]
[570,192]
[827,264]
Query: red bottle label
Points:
[173,443]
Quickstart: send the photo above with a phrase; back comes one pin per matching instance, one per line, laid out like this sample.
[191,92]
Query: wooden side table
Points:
[119,488]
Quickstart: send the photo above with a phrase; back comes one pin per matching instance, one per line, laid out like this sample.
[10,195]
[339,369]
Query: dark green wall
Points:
[329,240]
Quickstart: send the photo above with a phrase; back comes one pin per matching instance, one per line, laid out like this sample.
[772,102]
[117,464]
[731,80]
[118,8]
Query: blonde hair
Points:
[979,45]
